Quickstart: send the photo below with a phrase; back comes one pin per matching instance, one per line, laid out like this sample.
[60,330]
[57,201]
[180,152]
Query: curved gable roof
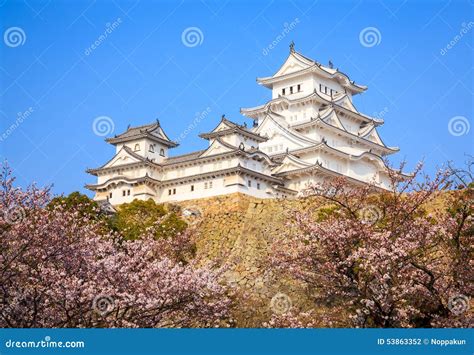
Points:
[297,64]
[152,131]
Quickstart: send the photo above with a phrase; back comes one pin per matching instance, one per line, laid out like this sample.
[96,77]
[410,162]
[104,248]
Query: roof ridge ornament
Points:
[292,47]
[331,65]
[158,122]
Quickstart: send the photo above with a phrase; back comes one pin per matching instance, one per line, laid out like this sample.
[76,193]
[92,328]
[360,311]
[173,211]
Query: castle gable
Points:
[289,163]
[124,156]
[217,147]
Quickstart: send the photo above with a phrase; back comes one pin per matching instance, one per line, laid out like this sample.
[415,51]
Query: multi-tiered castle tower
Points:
[314,130]
[308,132]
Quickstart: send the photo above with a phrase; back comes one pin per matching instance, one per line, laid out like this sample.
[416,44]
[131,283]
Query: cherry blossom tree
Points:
[60,268]
[400,258]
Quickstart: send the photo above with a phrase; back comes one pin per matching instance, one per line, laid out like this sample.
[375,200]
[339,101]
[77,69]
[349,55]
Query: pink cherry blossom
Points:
[60,268]
[401,269]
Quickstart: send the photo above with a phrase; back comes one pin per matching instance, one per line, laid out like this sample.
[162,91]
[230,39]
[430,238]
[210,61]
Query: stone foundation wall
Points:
[236,230]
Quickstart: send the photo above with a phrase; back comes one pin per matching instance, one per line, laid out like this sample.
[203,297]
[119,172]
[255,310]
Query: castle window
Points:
[128,192]
[325,89]
[152,148]
[210,184]
[192,187]
[283,91]
[299,87]
[162,152]
[249,183]
[137,147]
[205,185]
[258,186]
[320,88]
[110,195]
[291,89]
[169,192]
[124,193]
[174,191]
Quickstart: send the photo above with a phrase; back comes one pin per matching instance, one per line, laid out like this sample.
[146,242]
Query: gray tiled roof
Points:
[183,157]
[141,132]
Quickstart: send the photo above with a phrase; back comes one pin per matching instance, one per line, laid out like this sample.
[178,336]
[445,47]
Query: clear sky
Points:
[60,69]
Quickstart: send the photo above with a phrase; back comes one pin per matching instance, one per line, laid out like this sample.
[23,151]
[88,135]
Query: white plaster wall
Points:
[236,140]
[331,84]
[306,87]
[117,198]
[144,151]
[220,186]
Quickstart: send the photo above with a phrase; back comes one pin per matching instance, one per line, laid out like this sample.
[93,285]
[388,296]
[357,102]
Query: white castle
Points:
[308,132]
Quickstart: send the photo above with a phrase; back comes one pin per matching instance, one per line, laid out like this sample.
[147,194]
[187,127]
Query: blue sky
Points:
[53,85]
